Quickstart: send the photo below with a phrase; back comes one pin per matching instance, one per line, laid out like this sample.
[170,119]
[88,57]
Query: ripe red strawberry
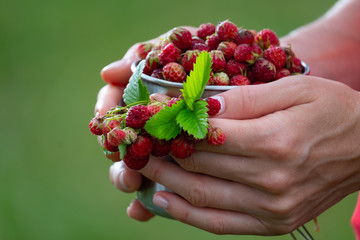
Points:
[152,62]
[196,40]
[215,136]
[244,36]
[213,41]
[221,79]
[137,116]
[263,70]
[158,73]
[243,53]
[174,72]
[116,136]
[109,124]
[282,72]
[276,55]
[141,147]
[257,51]
[170,53]
[96,125]
[218,60]
[189,59]
[227,48]
[135,163]
[239,80]
[181,37]
[160,147]
[214,106]
[226,30]
[296,66]
[201,47]
[234,67]
[205,30]
[143,49]
[108,146]
[180,148]
[266,38]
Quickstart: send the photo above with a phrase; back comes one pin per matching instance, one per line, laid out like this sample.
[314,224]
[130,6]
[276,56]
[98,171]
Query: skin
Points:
[291,151]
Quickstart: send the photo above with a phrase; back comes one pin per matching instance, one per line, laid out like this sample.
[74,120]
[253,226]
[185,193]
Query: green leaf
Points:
[122,149]
[163,125]
[194,122]
[135,91]
[195,83]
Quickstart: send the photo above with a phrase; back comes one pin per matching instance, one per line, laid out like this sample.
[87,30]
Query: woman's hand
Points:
[291,153]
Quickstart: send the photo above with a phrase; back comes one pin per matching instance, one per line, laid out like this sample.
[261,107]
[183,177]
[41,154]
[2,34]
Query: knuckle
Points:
[197,194]
[282,209]
[277,181]
[216,225]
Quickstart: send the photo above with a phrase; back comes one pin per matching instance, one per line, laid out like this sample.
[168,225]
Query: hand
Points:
[291,153]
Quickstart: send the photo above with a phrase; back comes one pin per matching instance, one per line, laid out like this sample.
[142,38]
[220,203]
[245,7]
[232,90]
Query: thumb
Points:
[119,72]
[253,101]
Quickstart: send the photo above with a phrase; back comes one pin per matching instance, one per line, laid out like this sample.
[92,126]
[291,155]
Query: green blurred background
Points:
[54,181]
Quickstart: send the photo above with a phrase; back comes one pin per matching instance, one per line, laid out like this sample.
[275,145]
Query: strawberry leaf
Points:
[135,91]
[195,83]
[163,125]
[194,122]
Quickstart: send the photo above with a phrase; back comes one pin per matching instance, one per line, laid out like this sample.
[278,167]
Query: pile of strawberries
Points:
[239,56]
[123,128]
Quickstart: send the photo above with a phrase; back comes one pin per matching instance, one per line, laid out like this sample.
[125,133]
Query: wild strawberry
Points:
[137,116]
[296,66]
[131,136]
[244,36]
[170,101]
[170,53]
[282,72]
[180,148]
[160,147]
[190,138]
[135,163]
[214,106]
[226,30]
[256,51]
[263,70]
[215,136]
[152,62]
[96,125]
[174,72]
[289,56]
[228,49]
[158,73]
[276,55]
[196,40]
[205,30]
[143,49]
[141,147]
[239,80]
[189,59]
[181,37]
[155,107]
[221,79]
[234,67]
[243,53]
[266,38]
[201,47]
[108,146]
[109,124]
[218,60]
[211,79]
[213,41]
[116,136]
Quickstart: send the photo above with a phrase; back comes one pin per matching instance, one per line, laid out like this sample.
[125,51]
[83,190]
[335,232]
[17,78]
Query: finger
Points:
[109,96]
[254,101]
[138,212]
[212,220]
[119,72]
[123,178]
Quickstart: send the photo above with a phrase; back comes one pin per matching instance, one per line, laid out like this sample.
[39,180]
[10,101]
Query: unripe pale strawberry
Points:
[131,136]
[221,79]
[174,72]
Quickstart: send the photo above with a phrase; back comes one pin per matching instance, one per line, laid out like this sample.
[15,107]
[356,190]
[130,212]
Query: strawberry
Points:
[234,67]
[158,73]
[170,101]
[155,107]
[226,30]
[135,163]
[96,125]
[239,80]
[180,148]
[131,136]
[174,72]
[205,30]
[266,38]
[296,66]
[170,53]
[263,70]
[141,147]
[218,60]
[160,147]
[215,136]
[201,47]
[244,36]
[189,59]
[109,124]
[213,41]
[137,116]
[108,146]
[143,49]
[116,136]
[214,106]
[282,72]
[276,55]
[196,40]
[152,62]
[228,49]
[243,53]
[221,79]
[181,37]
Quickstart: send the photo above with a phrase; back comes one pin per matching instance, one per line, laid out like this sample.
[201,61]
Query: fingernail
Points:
[160,201]
[222,103]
